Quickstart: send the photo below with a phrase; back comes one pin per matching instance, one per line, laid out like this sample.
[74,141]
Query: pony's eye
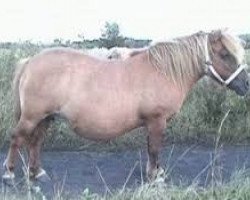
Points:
[225,55]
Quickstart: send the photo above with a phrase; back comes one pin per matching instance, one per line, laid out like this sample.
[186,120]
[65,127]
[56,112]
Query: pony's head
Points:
[225,57]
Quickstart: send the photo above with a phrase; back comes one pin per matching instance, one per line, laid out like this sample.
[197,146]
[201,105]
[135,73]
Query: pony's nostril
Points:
[247,83]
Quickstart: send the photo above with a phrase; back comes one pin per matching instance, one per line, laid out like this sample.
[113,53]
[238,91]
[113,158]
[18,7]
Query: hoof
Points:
[8,178]
[160,175]
[41,175]
[156,175]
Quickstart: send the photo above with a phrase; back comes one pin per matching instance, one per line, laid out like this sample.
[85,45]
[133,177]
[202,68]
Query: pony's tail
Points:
[20,68]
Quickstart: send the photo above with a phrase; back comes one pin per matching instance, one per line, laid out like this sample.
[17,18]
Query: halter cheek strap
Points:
[210,67]
[230,78]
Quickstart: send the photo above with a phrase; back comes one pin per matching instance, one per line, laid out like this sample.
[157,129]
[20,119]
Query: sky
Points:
[45,20]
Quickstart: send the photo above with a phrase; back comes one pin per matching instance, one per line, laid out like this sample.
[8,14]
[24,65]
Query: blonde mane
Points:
[183,58]
[180,59]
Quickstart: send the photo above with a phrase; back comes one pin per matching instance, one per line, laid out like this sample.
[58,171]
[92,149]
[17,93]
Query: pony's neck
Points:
[190,83]
[181,60]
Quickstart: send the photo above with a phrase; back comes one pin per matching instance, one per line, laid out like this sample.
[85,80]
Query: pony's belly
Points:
[97,134]
[103,117]
[104,130]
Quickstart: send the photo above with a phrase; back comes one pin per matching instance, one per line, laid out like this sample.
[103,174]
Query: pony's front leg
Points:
[155,128]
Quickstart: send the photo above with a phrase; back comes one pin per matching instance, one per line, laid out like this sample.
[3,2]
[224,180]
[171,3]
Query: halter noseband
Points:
[230,78]
[210,67]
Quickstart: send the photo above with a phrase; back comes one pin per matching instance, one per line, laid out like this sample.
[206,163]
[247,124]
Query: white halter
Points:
[210,67]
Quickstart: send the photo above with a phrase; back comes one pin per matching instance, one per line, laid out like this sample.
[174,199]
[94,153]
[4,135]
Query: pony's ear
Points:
[215,35]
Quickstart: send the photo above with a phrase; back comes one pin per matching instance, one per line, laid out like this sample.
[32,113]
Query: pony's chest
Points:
[165,103]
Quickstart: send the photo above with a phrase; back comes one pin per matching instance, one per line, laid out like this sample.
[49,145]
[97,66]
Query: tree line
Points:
[110,37]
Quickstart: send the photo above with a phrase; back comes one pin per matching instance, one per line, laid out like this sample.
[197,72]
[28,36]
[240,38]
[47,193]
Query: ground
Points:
[99,172]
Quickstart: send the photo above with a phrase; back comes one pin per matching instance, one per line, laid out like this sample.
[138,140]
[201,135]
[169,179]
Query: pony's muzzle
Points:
[247,84]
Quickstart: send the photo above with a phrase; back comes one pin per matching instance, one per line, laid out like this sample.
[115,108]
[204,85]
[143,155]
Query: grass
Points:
[7,63]
[234,190]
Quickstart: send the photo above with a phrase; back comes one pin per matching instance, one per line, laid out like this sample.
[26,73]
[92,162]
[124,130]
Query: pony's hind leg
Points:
[23,129]
[34,149]
[156,128]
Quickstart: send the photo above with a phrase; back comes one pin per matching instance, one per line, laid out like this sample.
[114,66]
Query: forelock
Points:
[233,44]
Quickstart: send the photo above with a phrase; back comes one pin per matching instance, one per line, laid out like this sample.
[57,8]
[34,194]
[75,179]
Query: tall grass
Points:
[203,110]
[7,63]
[236,189]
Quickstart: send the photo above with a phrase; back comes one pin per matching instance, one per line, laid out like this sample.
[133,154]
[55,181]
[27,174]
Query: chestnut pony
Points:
[103,99]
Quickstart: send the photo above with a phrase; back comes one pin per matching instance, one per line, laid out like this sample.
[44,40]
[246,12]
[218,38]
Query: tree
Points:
[111,36]
[111,31]
[58,41]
